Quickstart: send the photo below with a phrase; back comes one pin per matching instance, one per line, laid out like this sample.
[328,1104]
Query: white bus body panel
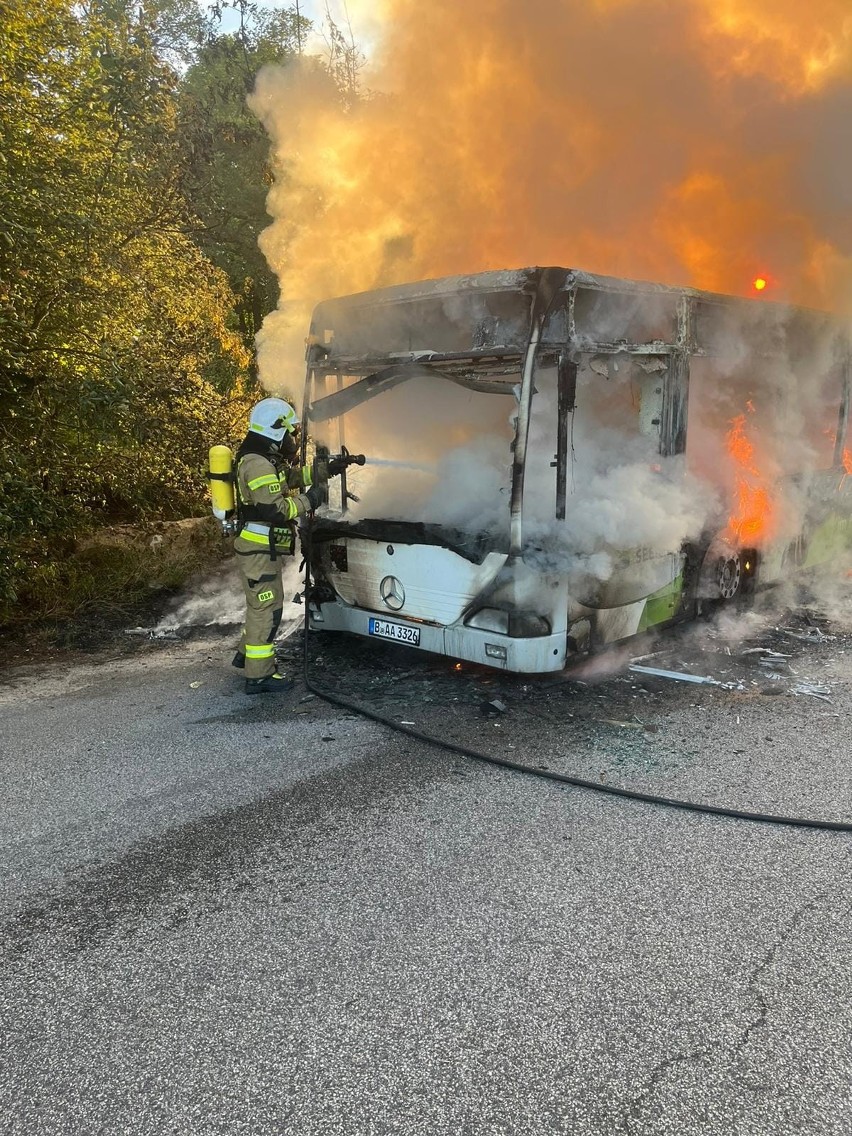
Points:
[439,586]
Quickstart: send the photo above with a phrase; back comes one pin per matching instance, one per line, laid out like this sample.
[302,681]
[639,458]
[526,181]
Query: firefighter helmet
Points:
[273,418]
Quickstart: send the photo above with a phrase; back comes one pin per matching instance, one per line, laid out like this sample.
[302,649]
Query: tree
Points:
[133,181]
[227,174]
[111,318]
[345,60]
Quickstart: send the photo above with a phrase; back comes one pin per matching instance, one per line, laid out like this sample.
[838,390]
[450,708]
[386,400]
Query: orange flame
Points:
[753,511]
[483,150]
[847,461]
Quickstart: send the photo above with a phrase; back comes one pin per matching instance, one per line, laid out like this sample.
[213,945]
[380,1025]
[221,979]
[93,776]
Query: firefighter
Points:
[271,493]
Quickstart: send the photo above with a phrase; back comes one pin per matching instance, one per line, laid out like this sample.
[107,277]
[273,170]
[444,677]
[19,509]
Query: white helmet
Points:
[273,418]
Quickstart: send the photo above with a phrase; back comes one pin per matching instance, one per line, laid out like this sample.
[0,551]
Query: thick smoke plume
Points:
[696,142]
[691,142]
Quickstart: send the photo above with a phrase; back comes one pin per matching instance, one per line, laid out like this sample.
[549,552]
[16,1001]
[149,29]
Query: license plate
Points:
[399,632]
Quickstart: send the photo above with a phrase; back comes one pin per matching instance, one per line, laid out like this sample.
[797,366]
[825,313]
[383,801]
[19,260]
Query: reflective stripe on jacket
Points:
[266,505]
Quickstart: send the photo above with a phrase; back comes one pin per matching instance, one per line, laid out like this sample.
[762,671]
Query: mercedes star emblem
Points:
[392,593]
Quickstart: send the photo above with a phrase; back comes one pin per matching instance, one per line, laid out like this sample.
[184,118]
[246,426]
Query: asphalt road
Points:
[233,915]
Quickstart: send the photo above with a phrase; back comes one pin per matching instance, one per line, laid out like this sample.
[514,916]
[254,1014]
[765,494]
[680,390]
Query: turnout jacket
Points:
[269,498]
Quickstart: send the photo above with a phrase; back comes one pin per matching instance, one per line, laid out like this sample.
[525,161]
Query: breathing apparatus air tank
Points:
[220,474]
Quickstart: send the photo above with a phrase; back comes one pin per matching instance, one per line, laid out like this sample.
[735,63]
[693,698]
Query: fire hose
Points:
[543,774]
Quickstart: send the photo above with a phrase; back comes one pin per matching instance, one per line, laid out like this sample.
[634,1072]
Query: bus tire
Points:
[729,576]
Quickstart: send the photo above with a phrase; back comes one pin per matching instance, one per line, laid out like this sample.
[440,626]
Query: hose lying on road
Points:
[548,774]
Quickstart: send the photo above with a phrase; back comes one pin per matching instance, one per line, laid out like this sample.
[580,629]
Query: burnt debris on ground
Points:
[764,726]
[787,657]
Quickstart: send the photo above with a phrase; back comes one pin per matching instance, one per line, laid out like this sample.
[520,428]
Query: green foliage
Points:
[118,361]
[133,181]
[177,29]
[113,578]
[225,152]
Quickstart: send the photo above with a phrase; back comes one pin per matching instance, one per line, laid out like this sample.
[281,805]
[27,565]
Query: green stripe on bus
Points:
[662,605]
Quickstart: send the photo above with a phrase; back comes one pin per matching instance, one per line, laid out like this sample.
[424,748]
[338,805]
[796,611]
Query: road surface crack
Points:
[631,1114]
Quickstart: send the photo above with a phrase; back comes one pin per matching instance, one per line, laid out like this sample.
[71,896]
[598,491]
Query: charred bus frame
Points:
[564,312]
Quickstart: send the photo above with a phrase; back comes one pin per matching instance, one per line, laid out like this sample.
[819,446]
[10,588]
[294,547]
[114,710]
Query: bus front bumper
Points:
[504,652]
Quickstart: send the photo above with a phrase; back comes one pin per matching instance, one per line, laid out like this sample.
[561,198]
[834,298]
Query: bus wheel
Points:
[729,575]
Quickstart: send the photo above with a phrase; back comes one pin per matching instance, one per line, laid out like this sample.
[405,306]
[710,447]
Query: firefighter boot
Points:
[239,661]
[274,683]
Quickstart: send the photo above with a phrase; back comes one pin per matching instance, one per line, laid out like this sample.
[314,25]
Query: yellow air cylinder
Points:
[221,477]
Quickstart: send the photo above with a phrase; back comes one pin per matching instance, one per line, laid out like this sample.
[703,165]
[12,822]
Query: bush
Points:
[113,578]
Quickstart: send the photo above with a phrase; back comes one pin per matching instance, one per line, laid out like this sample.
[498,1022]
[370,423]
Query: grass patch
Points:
[115,578]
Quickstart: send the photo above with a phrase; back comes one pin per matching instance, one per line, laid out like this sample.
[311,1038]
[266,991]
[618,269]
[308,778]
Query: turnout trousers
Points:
[261,576]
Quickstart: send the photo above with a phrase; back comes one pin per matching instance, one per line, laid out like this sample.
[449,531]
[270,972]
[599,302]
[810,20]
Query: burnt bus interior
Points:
[659,369]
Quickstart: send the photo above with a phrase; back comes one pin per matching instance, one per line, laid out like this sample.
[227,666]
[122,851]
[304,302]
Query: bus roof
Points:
[524,280]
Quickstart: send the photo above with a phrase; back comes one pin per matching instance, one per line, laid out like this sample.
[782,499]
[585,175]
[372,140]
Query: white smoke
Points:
[218,600]
[443,455]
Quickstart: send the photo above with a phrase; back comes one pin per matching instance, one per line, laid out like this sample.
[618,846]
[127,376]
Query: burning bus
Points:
[558,461]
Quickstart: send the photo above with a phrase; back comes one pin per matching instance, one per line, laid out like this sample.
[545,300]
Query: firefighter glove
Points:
[317,495]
